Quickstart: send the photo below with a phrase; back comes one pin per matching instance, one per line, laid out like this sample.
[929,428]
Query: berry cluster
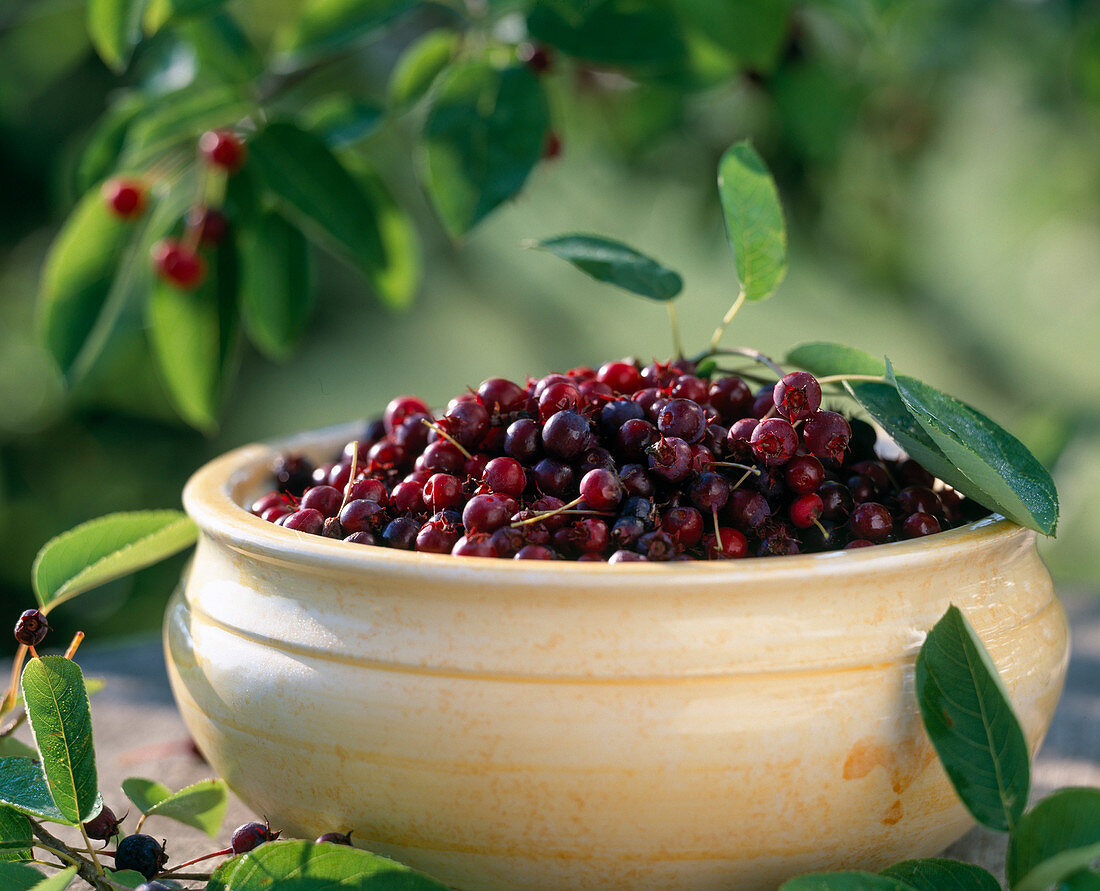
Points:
[178,260]
[618,464]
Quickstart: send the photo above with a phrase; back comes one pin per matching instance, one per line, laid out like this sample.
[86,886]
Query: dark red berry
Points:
[401,533]
[362,515]
[566,434]
[485,513]
[621,377]
[363,538]
[104,825]
[505,475]
[797,396]
[804,474]
[178,264]
[872,521]
[141,853]
[501,396]
[917,525]
[125,198]
[731,398]
[826,434]
[601,489]
[554,477]
[441,491]
[467,423]
[293,473]
[682,418]
[325,499]
[401,407]
[551,146]
[684,525]
[656,546]
[836,500]
[633,438]
[670,458]
[308,520]
[626,557]
[733,545]
[222,148]
[806,510]
[31,628]
[476,544]
[535,56]
[918,499]
[534,552]
[710,492]
[774,441]
[368,489]
[739,438]
[858,543]
[441,457]
[523,440]
[250,836]
[211,224]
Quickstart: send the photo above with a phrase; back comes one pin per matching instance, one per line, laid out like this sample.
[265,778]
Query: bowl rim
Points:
[208,499]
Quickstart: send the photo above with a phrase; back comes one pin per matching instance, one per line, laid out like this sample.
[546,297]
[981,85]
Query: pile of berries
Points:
[618,464]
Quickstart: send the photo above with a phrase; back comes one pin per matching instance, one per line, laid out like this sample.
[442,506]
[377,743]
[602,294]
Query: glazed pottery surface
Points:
[524,725]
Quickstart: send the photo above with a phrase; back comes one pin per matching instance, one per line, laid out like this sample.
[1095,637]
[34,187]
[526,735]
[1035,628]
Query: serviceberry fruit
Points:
[250,836]
[125,198]
[222,148]
[141,853]
[797,396]
[335,838]
[104,825]
[178,264]
[31,628]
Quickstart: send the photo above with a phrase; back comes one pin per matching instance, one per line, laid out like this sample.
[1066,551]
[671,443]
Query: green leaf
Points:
[754,220]
[180,117]
[1054,840]
[969,719]
[997,462]
[306,866]
[645,38]
[753,32]
[23,788]
[340,120]
[107,548]
[192,334]
[222,876]
[483,136]
[276,287]
[396,281]
[16,877]
[10,747]
[59,881]
[612,261]
[821,359]
[104,145]
[115,29]
[159,13]
[844,881]
[935,874]
[1082,880]
[59,714]
[126,877]
[15,835]
[420,65]
[221,48]
[77,275]
[314,189]
[327,25]
[201,805]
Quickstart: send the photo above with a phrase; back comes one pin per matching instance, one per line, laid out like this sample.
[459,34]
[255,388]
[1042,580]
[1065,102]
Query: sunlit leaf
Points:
[201,805]
[326,25]
[612,261]
[107,548]
[754,220]
[115,29]
[420,65]
[15,835]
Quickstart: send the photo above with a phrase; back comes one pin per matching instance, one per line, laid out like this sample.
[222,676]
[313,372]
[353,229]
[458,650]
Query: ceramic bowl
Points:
[524,725]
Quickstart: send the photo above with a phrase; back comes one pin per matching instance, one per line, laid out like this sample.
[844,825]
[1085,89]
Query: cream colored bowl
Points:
[521,725]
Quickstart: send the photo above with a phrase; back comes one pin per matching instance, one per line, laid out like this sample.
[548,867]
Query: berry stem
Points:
[839,378]
[88,844]
[674,323]
[75,645]
[140,823]
[726,319]
[13,687]
[14,725]
[717,531]
[33,652]
[180,866]
[748,353]
[744,477]
[351,476]
[447,436]
[822,529]
[745,467]
[547,513]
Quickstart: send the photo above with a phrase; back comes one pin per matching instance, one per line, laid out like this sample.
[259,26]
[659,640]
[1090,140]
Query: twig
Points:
[726,319]
[59,849]
[748,353]
[674,323]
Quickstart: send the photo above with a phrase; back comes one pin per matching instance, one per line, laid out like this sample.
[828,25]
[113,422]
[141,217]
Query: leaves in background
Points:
[326,25]
[612,261]
[115,29]
[340,120]
[276,287]
[483,136]
[194,334]
[15,835]
[1054,840]
[936,874]
[969,719]
[77,275]
[305,865]
[420,65]
[643,37]
[100,154]
[317,191]
[201,805]
[10,747]
[993,458]
[59,714]
[107,548]
[753,32]
[754,220]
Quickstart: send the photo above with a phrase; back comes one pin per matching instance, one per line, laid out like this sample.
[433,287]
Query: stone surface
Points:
[139,733]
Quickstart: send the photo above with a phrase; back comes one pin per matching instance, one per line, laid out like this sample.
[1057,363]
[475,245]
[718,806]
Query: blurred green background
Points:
[938,164]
